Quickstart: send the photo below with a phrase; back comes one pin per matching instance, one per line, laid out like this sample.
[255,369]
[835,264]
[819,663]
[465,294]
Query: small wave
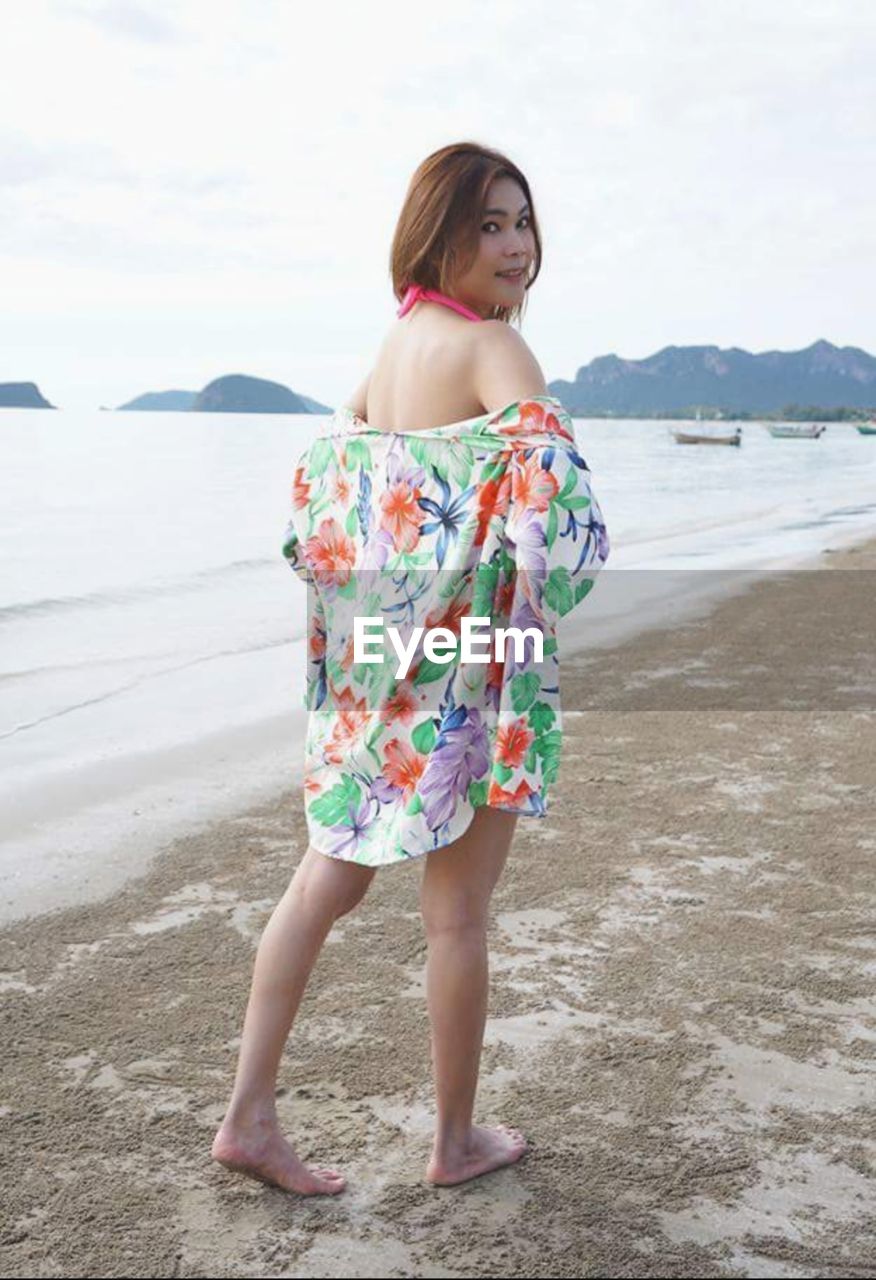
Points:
[202,580]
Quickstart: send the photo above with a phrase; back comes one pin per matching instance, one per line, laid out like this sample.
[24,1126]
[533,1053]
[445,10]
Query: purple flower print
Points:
[523,616]
[460,755]
[377,550]
[399,469]
[345,837]
[526,531]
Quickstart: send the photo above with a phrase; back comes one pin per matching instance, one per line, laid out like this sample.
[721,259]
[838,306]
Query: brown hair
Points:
[438,231]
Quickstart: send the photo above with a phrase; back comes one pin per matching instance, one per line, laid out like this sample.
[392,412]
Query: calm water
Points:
[151,632]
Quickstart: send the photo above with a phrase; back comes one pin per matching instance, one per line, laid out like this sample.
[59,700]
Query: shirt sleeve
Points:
[555,524]
[293,553]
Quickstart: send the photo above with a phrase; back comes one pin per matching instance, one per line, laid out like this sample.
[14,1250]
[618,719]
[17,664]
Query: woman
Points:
[466,249]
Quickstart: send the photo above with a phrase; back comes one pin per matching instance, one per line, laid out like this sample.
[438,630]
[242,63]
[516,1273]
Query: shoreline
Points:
[681,1013]
[266,757]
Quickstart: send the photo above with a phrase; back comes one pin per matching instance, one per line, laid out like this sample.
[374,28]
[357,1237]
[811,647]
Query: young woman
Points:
[465,252]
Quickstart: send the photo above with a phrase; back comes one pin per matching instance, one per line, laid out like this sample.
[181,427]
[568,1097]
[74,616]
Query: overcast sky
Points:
[198,187]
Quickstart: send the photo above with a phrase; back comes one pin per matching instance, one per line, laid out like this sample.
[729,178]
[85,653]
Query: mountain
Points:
[162,400]
[313,406]
[22,395]
[232,394]
[236,393]
[681,379]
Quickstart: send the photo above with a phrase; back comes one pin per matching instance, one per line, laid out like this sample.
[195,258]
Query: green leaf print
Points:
[548,747]
[491,470]
[477,793]
[429,671]
[424,737]
[524,690]
[558,590]
[351,524]
[319,455]
[484,592]
[502,771]
[551,533]
[568,486]
[357,454]
[415,804]
[541,717]
[333,807]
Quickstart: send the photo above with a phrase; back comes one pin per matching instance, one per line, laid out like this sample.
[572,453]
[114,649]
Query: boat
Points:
[796,430]
[867,428]
[719,436]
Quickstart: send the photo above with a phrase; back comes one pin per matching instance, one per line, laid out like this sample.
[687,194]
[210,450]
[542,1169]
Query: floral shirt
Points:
[490,518]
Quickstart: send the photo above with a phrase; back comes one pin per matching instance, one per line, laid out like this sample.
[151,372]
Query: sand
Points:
[681,1011]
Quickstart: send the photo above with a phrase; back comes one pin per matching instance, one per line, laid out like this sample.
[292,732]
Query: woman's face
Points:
[506,242]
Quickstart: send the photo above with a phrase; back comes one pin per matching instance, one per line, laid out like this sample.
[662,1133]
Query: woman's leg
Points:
[249,1139]
[455,895]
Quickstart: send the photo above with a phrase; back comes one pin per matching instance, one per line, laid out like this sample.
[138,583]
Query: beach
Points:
[681,1015]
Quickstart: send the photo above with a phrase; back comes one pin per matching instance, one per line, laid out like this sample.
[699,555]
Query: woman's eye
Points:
[525,219]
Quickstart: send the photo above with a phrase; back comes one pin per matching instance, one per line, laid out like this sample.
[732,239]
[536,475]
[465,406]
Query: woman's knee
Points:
[331,886]
[464,915]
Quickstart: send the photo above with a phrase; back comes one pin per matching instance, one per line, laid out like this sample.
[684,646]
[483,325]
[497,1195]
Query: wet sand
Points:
[681,1011]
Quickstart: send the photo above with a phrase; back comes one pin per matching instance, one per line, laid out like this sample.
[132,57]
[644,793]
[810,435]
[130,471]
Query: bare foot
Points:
[487,1148]
[263,1153]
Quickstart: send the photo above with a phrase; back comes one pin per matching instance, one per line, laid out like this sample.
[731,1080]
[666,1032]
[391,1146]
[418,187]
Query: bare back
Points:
[424,373]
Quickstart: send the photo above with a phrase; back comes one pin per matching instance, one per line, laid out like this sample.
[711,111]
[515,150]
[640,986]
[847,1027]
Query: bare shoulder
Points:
[505,368]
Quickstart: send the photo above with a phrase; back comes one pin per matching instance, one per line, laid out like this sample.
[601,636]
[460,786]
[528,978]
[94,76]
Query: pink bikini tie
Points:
[417,291]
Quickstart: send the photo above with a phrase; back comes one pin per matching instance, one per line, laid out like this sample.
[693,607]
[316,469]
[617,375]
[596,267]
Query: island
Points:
[22,395]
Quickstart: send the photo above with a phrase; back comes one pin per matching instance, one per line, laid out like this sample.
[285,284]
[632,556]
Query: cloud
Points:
[125,19]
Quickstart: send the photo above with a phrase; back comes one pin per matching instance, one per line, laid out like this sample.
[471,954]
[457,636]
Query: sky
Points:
[190,188]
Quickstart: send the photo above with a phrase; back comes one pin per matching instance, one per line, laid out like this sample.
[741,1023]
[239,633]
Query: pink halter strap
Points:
[417,291]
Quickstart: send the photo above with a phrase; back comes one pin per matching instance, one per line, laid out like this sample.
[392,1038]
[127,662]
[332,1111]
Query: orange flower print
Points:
[504,596]
[495,677]
[400,705]
[498,796]
[532,486]
[402,515]
[402,766]
[492,501]
[341,488]
[351,713]
[331,552]
[316,643]
[513,741]
[300,489]
[451,616]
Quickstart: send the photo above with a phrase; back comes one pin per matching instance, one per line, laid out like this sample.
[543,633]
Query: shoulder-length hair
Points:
[438,231]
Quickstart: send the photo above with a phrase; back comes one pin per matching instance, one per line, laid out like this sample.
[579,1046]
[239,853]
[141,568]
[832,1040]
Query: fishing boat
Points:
[721,435]
[796,430]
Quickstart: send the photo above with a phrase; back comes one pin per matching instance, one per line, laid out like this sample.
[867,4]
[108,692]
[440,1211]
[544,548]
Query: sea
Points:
[152,635]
